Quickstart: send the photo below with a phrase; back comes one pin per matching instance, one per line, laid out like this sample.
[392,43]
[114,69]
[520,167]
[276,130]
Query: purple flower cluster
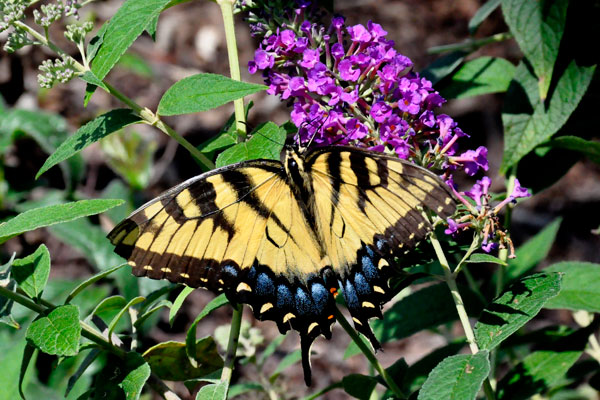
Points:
[482,216]
[348,85]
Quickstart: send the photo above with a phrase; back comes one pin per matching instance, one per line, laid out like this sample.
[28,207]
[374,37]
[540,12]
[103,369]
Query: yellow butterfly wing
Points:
[369,210]
[238,229]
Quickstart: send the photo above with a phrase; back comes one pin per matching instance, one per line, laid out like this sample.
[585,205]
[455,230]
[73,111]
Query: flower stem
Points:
[369,354]
[470,45]
[234,63]
[234,334]
[148,116]
[460,308]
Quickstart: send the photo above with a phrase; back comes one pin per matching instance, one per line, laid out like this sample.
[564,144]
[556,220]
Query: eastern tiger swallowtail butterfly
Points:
[282,237]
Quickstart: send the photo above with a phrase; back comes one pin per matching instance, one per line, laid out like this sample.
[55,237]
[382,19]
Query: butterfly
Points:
[285,236]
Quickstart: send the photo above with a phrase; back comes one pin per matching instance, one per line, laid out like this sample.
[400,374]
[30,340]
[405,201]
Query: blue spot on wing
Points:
[320,296]
[303,302]
[361,284]
[284,297]
[350,295]
[264,285]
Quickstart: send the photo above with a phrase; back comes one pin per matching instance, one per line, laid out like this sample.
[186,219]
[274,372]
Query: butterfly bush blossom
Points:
[347,84]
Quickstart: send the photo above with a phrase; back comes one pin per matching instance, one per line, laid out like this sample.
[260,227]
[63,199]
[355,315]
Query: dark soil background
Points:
[190,40]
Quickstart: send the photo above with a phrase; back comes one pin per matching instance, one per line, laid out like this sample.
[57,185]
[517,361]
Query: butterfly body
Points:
[284,236]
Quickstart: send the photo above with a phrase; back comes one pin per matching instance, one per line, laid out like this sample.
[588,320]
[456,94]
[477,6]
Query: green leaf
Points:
[536,373]
[157,307]
[479,76]
[31,272]
[530,253]
[528,121]
[115,320]
[108,307]
[96,42]
[241,388]
[90,240]
[424,309]
[56,214]
[359,386]
[136,64]
[87,361]
[190,340]
[417,373]
[57,333]
[216,391]
[589,148]
[517,305]
[5,303]
[222,141]
[90,133]
[580,286]
[484,11]
[138,372]
[203,92]
[89,77]
[266,143]
[444,66]
[457,377]
[28,354]
[485,258]
[169,360]
[83,285]
[538,27]
[132,18]
[287,361]
[179,302]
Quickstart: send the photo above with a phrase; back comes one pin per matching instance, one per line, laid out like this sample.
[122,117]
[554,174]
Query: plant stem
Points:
[470,45]
[146,114]
[369,354]
[234,63]
[87,331]
[234,335]
[460,308]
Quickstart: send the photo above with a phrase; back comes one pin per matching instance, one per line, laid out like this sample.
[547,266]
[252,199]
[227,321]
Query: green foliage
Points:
[31,272]
[580,287]
[359,386]
[191,350]
[457,377]
[90,133]
[479,76]
[203,92]
[121,31]
[517,305]
[424,309]
[533,251]
[56,333]
[170,360]
[538,28]
[266,142]
[50,215]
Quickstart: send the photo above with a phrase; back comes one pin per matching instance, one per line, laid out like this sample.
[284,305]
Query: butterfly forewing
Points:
[369,210]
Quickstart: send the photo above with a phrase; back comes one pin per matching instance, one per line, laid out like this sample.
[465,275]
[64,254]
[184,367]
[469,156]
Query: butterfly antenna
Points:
[312,138]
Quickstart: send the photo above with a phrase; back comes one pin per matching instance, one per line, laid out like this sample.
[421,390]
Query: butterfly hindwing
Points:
[369,209]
